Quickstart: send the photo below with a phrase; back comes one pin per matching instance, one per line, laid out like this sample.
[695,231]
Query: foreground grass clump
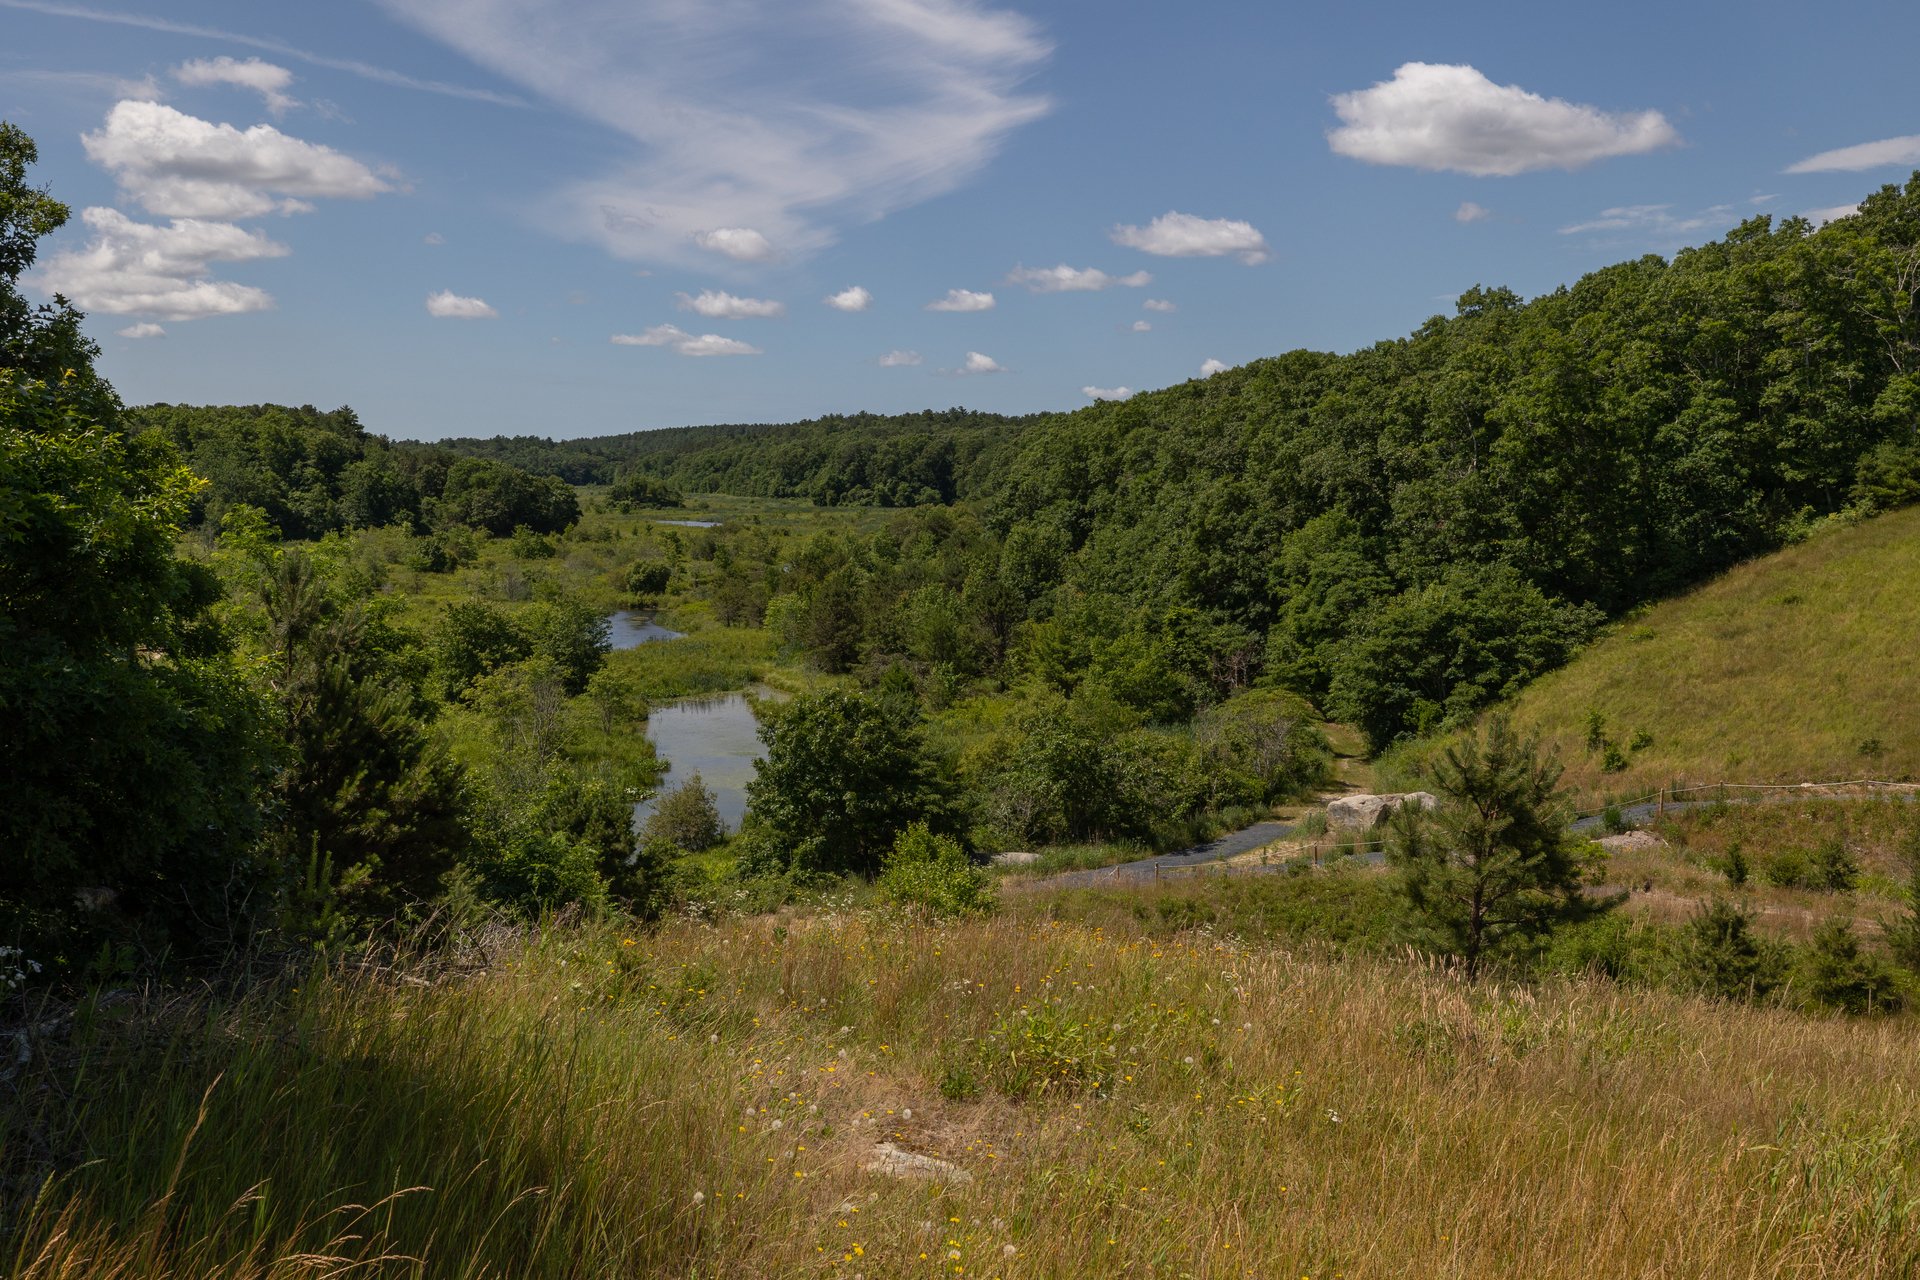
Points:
[702,1103]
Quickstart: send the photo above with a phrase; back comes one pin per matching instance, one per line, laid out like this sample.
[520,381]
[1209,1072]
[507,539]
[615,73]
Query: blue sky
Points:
[576,217]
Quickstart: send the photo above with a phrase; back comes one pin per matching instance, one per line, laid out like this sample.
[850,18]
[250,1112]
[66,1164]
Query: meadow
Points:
[577,1100]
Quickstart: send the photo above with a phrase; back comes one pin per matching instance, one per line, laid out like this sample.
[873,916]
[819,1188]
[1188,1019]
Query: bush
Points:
[687,815]
[1842,976]
[648,577]
[1789,869]
[528,545]
[1834,868]
[931,872]
[1719,955]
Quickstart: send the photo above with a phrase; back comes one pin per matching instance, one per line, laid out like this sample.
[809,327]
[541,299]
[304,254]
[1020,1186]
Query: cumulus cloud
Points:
[1142,326]
[854,298]
[1066,279]
[1159,304]
[1904,152]
[1431,116]
[448,305]
[715,305]
[795,117]
[742,244]
[264,78]
[1107,393]
[962,300]
[1212,367]
[182,166]
[133,268]
[145,329]
[899,359]
[977,363]
[1182,235]
[1471,212]
[686,344]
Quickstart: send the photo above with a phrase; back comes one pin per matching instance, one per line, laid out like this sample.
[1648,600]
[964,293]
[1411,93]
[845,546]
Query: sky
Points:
[582,217]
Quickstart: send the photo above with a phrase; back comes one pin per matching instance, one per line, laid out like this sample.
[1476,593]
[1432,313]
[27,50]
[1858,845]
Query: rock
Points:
[1018,858]
[897,1163]
[1366,812]
[1631,842]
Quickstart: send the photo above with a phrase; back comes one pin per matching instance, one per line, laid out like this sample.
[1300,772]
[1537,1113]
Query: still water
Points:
[718,738]
[628,630]
[692,524]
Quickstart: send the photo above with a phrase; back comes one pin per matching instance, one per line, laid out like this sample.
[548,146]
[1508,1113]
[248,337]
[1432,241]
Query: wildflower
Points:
[699,1198]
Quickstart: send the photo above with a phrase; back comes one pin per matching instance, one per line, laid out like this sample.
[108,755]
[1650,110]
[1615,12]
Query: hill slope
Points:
[1795,667]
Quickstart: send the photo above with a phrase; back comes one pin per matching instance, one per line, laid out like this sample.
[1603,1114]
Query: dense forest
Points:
[862,459]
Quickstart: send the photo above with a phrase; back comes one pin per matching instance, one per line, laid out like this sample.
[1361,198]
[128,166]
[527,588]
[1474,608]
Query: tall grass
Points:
[702,1103]
[1791,668]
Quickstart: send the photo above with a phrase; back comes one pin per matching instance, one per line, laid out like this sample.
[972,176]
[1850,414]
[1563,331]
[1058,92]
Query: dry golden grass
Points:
[701,1103]
[1782,670]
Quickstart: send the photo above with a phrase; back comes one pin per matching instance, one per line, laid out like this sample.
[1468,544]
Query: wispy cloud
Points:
[264,78]
[1657,221]
[145,329]
[1182,235]
[1431,116]
[1159,304]
[352,66]
[899,359]
[1471,212]
[686,344]
[962,300]
[791,117]
[1066,279]
[1904,151]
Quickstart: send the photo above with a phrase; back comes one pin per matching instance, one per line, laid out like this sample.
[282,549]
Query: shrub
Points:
[648,577]
[1842,976]
[1789,869]
[1737,866]
[1719,955]
[931,872]
[528,545]
[687,815]
[1834,867]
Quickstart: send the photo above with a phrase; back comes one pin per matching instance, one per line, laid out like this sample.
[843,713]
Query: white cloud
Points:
[145,329]
[1182,235]
[134,268]
[742,244]
[1107,393]
[1212,367]
[1066,279]
[962,300]
[448,305]
[433,238]
[715,305]
[977,363]
[1820,217]
[667,335]
[1904,152]
[1159,304]
[182,166]
[264,78]
[899,359]
[850,299]
[1142,326]
[1654,221]
[1431,116]
[365,70]
[1471,212]
[795,117]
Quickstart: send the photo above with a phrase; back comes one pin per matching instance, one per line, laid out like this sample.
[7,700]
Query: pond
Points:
[692,524]
[629,630]
[717,738]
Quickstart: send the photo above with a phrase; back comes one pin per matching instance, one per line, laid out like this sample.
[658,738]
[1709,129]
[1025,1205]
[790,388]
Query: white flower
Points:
[699,1198]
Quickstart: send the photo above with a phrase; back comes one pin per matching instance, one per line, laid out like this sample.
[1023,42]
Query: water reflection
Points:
[628,630]
[718,738]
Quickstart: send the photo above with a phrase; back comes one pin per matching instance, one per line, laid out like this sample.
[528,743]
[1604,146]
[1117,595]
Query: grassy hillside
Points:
[703,1102]
[1796,667]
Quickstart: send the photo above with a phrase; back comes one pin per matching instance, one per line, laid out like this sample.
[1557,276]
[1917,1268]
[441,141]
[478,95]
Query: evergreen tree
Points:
[1719,955]
[1494,866]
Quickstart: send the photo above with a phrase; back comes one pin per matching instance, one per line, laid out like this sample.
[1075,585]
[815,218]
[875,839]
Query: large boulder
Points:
[1365,812]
